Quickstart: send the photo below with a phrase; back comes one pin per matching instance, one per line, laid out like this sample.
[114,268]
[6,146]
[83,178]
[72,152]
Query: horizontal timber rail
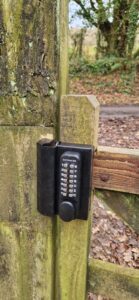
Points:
[113,281]
[116,169]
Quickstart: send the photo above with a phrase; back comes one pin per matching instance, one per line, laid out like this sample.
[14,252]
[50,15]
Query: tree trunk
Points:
[120,27]
[119,35]
[81,40]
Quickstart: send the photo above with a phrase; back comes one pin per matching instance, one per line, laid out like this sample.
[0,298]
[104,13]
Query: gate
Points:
[45,258]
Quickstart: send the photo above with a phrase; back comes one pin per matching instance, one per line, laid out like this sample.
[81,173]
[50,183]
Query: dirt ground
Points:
[110,89]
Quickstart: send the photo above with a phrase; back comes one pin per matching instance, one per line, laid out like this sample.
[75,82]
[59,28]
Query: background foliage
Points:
[116,24]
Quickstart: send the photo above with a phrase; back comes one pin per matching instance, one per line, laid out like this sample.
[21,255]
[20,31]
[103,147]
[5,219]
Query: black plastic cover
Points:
[48,177]
[46,156]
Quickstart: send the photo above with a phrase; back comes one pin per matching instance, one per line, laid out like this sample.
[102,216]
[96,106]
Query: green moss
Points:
[28,62]
[125,205]
[12,24]
[28,110]
[113,281]
[26,260]
[10,287]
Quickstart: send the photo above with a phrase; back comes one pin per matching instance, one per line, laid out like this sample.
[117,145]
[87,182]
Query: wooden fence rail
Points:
[116,181]
[113,281]
[116,169]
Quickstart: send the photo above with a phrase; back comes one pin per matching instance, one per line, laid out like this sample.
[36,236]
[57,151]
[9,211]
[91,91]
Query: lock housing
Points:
[64,179]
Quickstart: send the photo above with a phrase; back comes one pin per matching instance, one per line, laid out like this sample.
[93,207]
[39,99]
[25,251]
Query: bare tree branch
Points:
[93,6]
[86,13]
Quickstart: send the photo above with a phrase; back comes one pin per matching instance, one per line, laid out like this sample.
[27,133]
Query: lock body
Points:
[67,179]
[46,160]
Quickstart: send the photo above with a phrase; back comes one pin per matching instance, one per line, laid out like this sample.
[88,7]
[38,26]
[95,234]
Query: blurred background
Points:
[104,49]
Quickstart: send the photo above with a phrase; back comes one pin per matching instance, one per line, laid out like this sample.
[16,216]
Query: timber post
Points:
[33,75]
[79,117]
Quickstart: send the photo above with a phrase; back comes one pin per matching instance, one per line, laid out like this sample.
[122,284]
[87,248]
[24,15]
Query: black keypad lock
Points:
[64,179]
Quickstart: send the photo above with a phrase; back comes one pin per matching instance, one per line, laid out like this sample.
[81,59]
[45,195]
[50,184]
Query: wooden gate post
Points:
[78,124]
[33,48]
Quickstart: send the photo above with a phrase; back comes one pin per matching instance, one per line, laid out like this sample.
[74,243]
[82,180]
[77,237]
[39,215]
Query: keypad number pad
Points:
[70,169]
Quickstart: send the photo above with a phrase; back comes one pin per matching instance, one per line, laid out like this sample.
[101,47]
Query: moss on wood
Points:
[113,281]
[78,124]
[28,62]
[27,260]
[31,80]
[125,205]
[10,288]
[18,171]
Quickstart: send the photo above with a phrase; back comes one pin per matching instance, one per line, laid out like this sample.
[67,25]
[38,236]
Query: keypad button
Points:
[71,181]
[64,170]
[65,165]
[70,190]
[64,175]
[64,189]
[70,195]
[63,184]
[72,166]
[64,194]
[63,180]
[71,186]
[71,171]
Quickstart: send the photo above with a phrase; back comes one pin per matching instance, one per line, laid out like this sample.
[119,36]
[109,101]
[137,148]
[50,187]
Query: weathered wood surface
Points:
[116,169]
[28,62]
[62,41]
[26,237]
[113,281]
[26,260]
[18,171]
[125,205]
[33,38]
[78,124]
[79,117]
[62,46]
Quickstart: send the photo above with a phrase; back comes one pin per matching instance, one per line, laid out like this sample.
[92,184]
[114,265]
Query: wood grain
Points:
[113,281]
[18,171]
[26,237]
[116,169]
[32,55]
[78,124]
